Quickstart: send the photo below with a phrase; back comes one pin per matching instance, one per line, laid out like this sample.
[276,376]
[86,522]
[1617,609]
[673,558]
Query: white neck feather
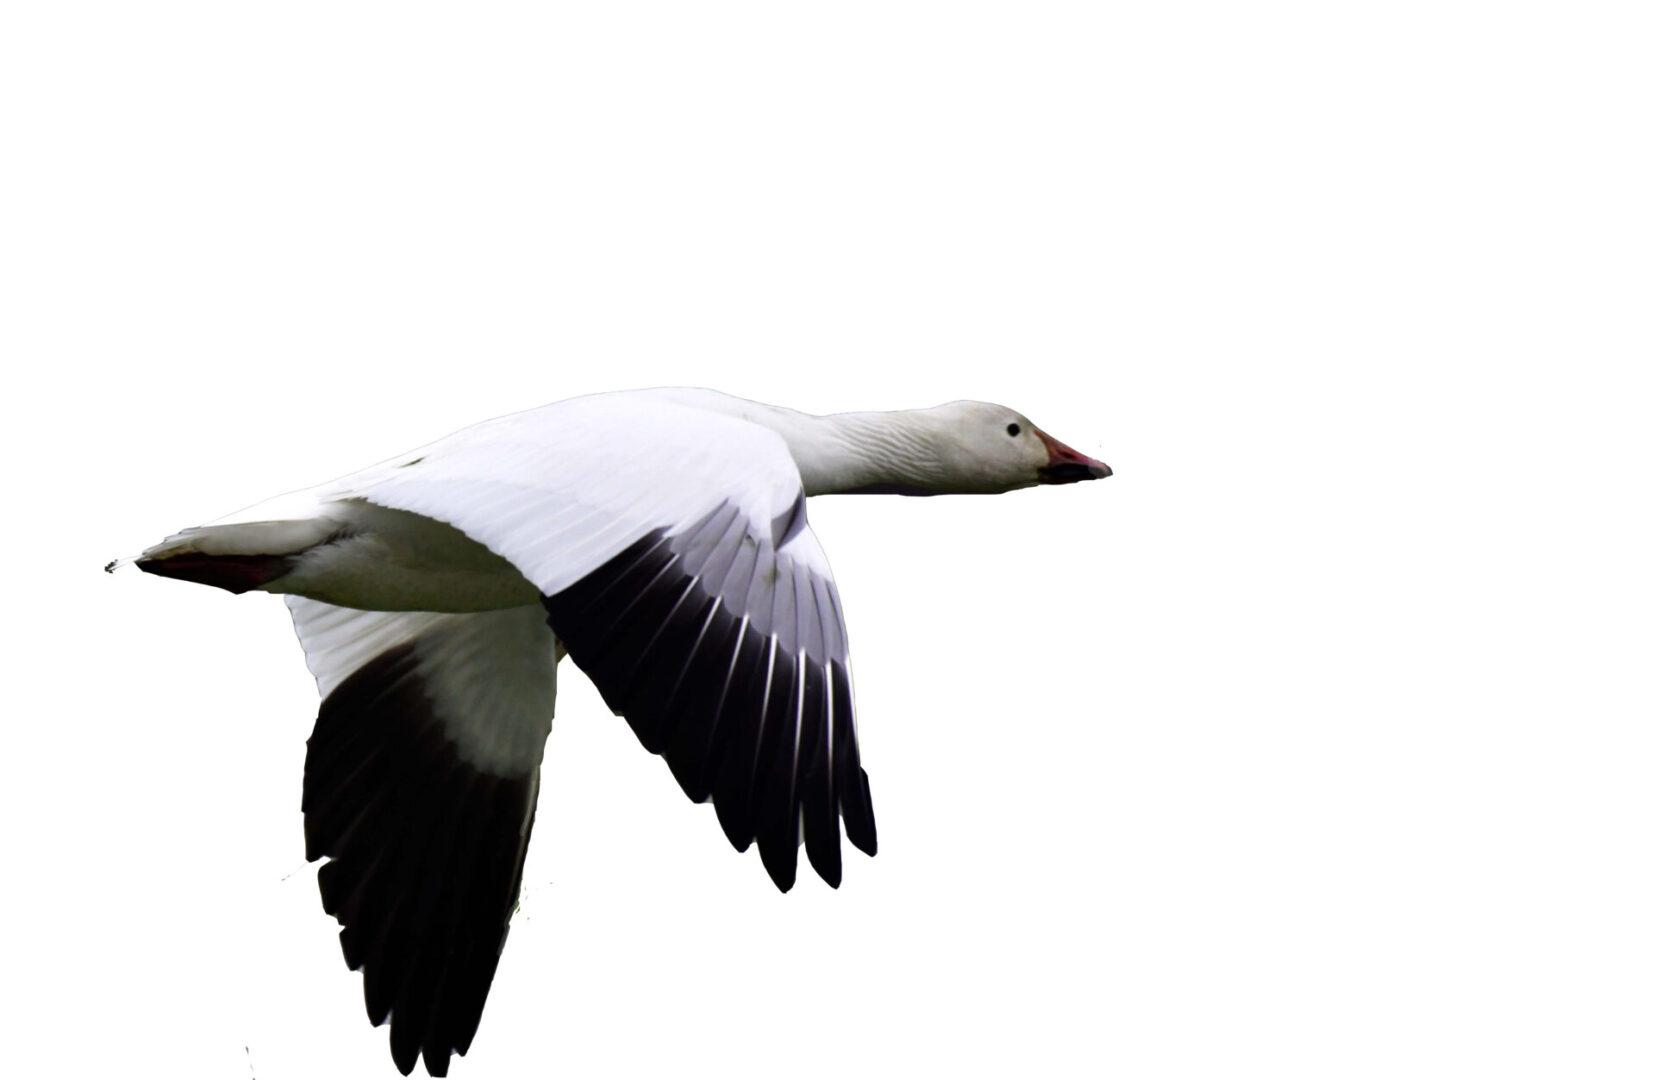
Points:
[843,451]
[850,451]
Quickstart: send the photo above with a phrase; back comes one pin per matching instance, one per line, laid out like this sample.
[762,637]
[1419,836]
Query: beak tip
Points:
[1066,465]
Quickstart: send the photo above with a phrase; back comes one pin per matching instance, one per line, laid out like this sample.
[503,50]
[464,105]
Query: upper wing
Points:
[420,785]
[672,551]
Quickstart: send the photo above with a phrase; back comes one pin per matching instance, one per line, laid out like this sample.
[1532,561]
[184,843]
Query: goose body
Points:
[659,538]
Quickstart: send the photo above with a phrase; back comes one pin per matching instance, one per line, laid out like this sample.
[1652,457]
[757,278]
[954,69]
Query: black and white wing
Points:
[420,785]
[726,653]
[676,564]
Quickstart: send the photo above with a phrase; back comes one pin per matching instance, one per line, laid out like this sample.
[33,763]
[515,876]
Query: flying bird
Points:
[658,537]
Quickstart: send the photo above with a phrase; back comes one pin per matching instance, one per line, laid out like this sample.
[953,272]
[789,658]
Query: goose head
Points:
[983,448]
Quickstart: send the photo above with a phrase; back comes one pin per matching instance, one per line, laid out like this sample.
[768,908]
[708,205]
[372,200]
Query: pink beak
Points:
[1066,465]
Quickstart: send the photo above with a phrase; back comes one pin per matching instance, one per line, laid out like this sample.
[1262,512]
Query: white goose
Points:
[658,536]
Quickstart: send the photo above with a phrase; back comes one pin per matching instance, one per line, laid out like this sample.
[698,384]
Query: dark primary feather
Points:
[725,657]
[426,857]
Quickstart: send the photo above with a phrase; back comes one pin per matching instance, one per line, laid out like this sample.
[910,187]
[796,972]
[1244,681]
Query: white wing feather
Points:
[561,489]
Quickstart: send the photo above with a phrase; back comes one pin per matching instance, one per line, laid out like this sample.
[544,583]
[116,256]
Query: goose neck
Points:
[864,451]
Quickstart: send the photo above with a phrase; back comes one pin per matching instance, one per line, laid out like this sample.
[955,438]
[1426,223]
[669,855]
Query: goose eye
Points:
[1013,430]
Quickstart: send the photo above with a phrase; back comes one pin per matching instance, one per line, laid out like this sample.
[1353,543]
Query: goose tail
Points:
[234,557]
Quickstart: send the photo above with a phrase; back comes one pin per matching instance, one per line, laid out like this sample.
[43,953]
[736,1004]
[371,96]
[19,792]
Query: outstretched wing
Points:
[725,651]
[420,785]
[676,564]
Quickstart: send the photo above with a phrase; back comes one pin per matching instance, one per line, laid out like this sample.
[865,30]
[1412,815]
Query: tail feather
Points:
[238,557]
[235,573]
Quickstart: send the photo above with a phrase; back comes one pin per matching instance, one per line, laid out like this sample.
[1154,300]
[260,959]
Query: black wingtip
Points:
[829,869]
[830,872]
[858,811]
[403,1053]
[822,846]
[739,833]
[436,1063]
[425,858]
[781,862]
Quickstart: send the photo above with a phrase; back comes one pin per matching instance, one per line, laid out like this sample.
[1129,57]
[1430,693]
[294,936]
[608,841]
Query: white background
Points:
[1314,743]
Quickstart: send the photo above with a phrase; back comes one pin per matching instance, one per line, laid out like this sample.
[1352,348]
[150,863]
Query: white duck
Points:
[658,536]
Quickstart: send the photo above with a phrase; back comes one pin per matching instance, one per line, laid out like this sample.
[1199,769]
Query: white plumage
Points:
[659,536]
